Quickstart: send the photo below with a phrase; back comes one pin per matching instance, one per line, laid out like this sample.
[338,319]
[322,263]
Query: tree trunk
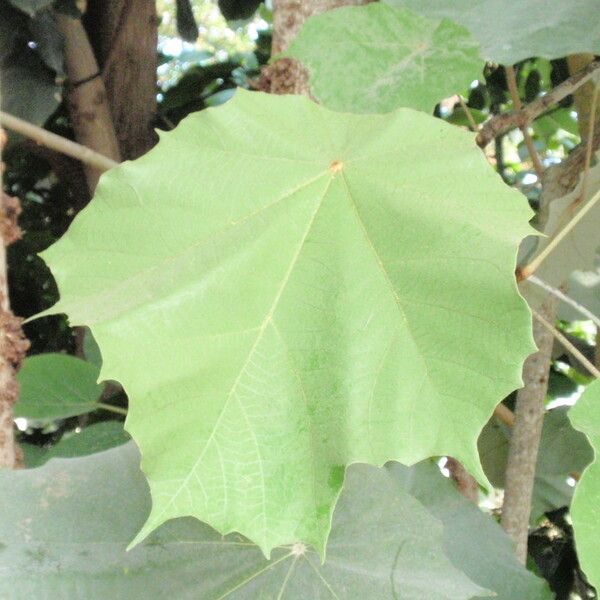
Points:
[526,435]
[124,36]
[86,97]
[286,75]
[13,344]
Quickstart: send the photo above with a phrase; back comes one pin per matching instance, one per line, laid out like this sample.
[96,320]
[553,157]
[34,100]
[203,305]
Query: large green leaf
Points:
[56,386]
[65,526]
[585,508]
[513,31]
[563,451]
[375,58]
[332,297]
[473,541]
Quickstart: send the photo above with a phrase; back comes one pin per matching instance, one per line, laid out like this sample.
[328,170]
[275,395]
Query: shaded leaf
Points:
[563,451]
[94,438]
[186,23]
[56,386]
[512,32]
[585,509]
[473,541]
[65,526]
[397,58]
[288,320]
[578,249]
[234,10]
[31,7]
[29,89]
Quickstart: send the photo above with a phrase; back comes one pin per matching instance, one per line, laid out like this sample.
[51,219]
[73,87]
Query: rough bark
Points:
[526,434]
[13,344]
[86,96]
[124,36]
[288,76]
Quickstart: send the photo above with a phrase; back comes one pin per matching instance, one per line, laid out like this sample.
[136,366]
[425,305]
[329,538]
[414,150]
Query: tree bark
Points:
[124,35]
[86,97]
[526,435]
[286,75]
[13,344]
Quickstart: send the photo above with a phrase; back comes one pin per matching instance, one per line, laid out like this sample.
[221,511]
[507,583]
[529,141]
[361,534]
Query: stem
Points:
[562,296]
[504,415]
[514,93]
[526,435]
[57,142]
[115,409]
[530,268]
[566,343]
[589,147]
[502,124]
[465,482]
[469,114]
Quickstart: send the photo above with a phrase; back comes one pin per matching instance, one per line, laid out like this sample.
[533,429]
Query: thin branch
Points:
[589,147]
[472,122]
[57,142]
[511,79]
[501,124]
[562,296]
[566,344]
[526,271]
[504,415]
[109,407]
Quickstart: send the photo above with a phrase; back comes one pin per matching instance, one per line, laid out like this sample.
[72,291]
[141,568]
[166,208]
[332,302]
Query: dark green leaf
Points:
[55,386]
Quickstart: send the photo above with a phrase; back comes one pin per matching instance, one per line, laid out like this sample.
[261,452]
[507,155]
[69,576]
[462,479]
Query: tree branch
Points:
[501,124]
[56,142]
[86,99]
[562,296]
[566,343]
[530,268]
[511,79]
[526,435]
[13,343]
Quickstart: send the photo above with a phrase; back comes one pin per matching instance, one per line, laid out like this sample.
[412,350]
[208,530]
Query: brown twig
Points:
[511,79]
[472,122]
[502,124]
[57,142]
[504,415]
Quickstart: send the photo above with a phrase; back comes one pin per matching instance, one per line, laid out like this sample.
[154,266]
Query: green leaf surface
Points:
[473,541]
[65,526]
[563,451]
[585,509]
[513,31]
[56,386]
[375,58]
[337,298]
[94,438]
